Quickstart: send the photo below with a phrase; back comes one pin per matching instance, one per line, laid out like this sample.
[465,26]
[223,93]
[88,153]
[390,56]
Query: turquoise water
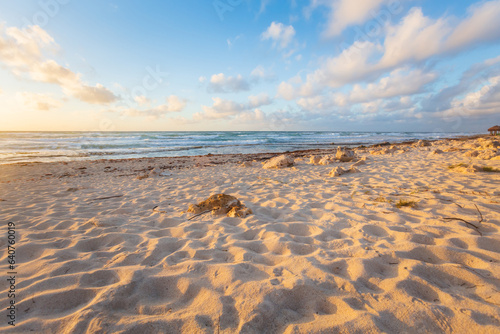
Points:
[65,146]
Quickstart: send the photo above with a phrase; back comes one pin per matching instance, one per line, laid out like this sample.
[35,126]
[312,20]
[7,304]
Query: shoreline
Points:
[319,149]
[236,157]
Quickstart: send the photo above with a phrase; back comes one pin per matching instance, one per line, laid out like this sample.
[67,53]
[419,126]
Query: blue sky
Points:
[382,65]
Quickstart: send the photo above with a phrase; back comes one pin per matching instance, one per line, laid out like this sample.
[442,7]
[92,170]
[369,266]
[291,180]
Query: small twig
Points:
[479,214]
[159,211]
[103,198]
[199,214]
[470,224]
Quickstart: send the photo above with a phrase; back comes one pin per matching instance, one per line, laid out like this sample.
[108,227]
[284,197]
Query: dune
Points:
[406,244]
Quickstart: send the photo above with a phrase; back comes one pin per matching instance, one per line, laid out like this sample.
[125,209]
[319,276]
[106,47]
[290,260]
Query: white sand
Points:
[320,254]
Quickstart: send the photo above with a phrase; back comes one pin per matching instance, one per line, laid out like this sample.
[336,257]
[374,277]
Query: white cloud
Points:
[280,34]
[418,37]
[22,50]
[251,116]
[483,101]
[476,76]
[258,72]
[286,91]
[482,25]
[38,101]
[399,84]
[220,83]
[142,100]
[172,104]
[415,39]
[345,13]
[255,101]
[353,65]
[225,109]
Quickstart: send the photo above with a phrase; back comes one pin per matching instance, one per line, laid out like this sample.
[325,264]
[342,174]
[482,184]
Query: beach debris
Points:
[488,154]
[452,149]
[280,161]
[314,160]
[406,203]
[220,204]
[142,176]
[326,160]
[471,154]
[422,143]
[490,144]
[155,209]
[476,227]
[468,169]
[338,171]
[465,168]
[383,151]
[345,155]
[246,164]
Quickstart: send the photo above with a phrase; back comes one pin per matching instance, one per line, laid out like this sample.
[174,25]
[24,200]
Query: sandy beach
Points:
[405,241]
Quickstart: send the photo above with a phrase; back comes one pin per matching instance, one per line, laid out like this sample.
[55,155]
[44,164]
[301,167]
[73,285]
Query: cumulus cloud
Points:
[414,40]
[225,109]
[401,83]
[220,83]
[483,101]
[142,100]
[172,104]
[280,34]
[476,76]
[482,25]
[38,101]
[345,13]
[23,51]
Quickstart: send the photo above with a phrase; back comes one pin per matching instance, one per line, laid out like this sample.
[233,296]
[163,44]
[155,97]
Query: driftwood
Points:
[199,214]
[469,224]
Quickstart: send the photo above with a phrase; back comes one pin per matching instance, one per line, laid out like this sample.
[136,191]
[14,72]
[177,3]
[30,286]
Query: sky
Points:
[245,65]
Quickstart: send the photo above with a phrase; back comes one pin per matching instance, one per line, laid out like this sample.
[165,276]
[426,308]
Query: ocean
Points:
[65,146]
